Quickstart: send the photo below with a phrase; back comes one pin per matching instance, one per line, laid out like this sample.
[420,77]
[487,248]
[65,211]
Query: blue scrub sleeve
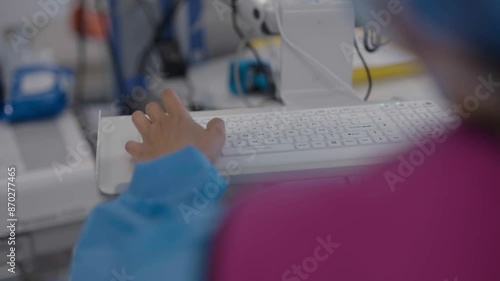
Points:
[160,228]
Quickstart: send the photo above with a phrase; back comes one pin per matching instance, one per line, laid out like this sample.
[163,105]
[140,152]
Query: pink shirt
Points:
[440,221]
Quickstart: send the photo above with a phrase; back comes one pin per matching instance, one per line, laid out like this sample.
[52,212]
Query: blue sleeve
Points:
[160,228]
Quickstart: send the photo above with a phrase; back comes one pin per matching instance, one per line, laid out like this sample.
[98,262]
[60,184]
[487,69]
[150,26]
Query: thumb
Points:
[217,127]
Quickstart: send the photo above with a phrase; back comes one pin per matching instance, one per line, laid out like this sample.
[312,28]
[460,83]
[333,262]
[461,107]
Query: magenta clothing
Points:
[441,223]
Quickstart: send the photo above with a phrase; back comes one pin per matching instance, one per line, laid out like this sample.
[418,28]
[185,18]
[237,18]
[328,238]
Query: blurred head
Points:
[457,40]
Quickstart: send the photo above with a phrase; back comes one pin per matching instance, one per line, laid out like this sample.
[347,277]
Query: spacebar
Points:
[257,149]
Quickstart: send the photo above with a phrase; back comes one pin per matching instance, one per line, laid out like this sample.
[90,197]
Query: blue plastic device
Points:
[250,79]
[37,92]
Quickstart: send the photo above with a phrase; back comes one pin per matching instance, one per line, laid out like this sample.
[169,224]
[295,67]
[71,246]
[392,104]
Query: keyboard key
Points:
[303,146]
[319,144]
[375,114]
[255,142]
[269,128]
[389,132]
[418,122]
[245,136]
[302,139]
[254,129]
[334,143]
[350,142]
[284,127]
[261,135]
[271,141]
[292,133]
[257,149]
[404,124]
[277,134]
[365,141]
[375,133]
[396,138]
[424,129]
[336,129]
[240,143]
[358,121]
[318,118]
[387,125]
[416,104]
[353,115]
[317,138]
[354,135]
[300,126]
[286,140]
[322,131]
[314,124]
[307,132]
[333,136]
[357,128]
[238,130]
[381,139]
[329,123]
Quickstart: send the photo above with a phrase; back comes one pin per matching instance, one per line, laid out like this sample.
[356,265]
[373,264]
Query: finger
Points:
[173,104]
[134,149]
[217,127]
[217,130]
[141,122]
[155,112]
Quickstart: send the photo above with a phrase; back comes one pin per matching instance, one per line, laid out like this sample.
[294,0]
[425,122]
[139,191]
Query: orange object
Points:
[95,24]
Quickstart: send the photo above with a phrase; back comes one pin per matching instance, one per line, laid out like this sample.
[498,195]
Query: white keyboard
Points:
[321,129]
[281,145]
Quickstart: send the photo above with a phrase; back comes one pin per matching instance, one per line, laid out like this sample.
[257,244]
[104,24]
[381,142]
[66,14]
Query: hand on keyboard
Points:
[163,134]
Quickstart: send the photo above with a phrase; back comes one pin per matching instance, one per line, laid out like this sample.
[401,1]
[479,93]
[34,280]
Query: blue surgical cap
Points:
[474,22]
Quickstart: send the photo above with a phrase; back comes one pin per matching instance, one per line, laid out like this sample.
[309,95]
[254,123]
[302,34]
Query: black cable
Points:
[368,72]
[261,67]
[372,39]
